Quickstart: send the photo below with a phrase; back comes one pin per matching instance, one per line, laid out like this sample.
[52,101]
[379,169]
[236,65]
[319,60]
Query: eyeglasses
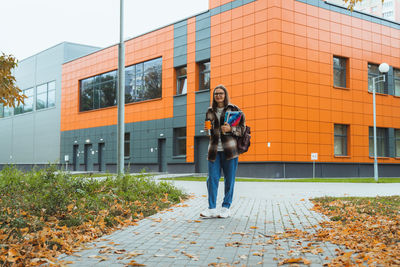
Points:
[219,94]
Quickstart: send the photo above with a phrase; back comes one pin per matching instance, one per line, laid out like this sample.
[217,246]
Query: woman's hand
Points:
[226,128]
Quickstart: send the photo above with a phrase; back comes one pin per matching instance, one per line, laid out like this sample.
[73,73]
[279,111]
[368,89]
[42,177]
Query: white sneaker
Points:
[225,213]
[209,213]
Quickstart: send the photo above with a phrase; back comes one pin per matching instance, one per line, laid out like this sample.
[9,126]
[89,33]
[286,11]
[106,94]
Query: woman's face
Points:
[219,96]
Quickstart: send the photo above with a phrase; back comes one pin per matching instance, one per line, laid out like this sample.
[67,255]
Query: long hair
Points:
[226,100]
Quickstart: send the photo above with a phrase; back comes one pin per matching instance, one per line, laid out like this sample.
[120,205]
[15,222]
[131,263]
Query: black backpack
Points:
[243,142]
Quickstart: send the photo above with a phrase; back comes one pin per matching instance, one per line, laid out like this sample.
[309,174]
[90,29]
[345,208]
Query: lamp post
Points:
[383,68]
[121,93]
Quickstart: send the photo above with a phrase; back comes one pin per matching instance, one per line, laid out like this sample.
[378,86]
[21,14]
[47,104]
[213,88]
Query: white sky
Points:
[30,26]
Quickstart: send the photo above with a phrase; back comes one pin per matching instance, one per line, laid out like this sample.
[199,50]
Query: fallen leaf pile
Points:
[76,212]
[368,227]
[38,247]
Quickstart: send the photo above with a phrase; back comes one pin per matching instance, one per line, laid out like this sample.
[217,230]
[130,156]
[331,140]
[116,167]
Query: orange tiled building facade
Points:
[300,70]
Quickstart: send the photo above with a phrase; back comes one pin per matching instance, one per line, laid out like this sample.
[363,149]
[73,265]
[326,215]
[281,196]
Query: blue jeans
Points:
[214,175]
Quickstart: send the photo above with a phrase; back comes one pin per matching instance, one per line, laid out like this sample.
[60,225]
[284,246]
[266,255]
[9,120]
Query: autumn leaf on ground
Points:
[294,260]
[134,263]
[195,258]
[50,227]
[368,227]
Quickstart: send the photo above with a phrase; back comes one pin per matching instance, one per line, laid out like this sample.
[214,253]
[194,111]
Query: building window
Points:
[340,139]
[181,81]
[204,76]
[98,91]
[180,141]
[382,142]
[127,145]
[388,4]
[397,141]
[46,95]
[143,81]
[373,71]
[7,111]
[339,71]
[387,15]
[396,74]
[28,102]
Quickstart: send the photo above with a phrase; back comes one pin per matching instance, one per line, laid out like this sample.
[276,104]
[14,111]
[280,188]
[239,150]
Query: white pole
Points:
[121,93]
[375,151]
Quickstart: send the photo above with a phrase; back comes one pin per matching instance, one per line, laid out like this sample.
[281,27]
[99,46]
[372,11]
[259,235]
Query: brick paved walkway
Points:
[259,211]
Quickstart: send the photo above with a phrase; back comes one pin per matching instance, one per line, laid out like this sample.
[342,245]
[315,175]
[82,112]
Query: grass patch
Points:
[302,180]
[44,213]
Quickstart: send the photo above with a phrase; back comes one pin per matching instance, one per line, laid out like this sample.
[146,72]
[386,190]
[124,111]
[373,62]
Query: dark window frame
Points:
[181,80]
[396,78]
[342,138]
[339,68]
[143,81]
[397,142]
[373,71]
[382,142]
[102,93]
[178,137]
[127,145]
[203,73]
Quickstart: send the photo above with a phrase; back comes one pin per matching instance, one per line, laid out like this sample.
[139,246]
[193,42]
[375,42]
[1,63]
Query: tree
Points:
[10,94]
[352,3]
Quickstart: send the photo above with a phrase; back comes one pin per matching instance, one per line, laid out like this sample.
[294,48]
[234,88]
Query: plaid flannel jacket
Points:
[229,140]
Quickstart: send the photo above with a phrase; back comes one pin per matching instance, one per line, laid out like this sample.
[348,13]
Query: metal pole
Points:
[121,93]
[375,152]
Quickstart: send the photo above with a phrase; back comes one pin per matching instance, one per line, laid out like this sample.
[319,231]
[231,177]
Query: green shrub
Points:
[30,199]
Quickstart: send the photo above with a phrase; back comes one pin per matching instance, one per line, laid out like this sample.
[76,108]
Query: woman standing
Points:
[222,152]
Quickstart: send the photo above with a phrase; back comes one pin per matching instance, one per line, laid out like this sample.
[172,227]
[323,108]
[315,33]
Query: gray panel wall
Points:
[202,103]
[34,137]
[37,133]
[6,140]
[203,40]
[73,51]
[143,143]
[180,43]
[22,142]
[305,170]
[180,111]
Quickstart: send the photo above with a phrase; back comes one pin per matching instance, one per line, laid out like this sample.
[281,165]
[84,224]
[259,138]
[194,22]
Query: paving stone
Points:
[259,211]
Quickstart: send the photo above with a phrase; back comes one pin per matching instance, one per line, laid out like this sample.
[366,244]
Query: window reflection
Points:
[46,95]
[142,82]
[204,76]
[181,80]
[373,71]
[28,102]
